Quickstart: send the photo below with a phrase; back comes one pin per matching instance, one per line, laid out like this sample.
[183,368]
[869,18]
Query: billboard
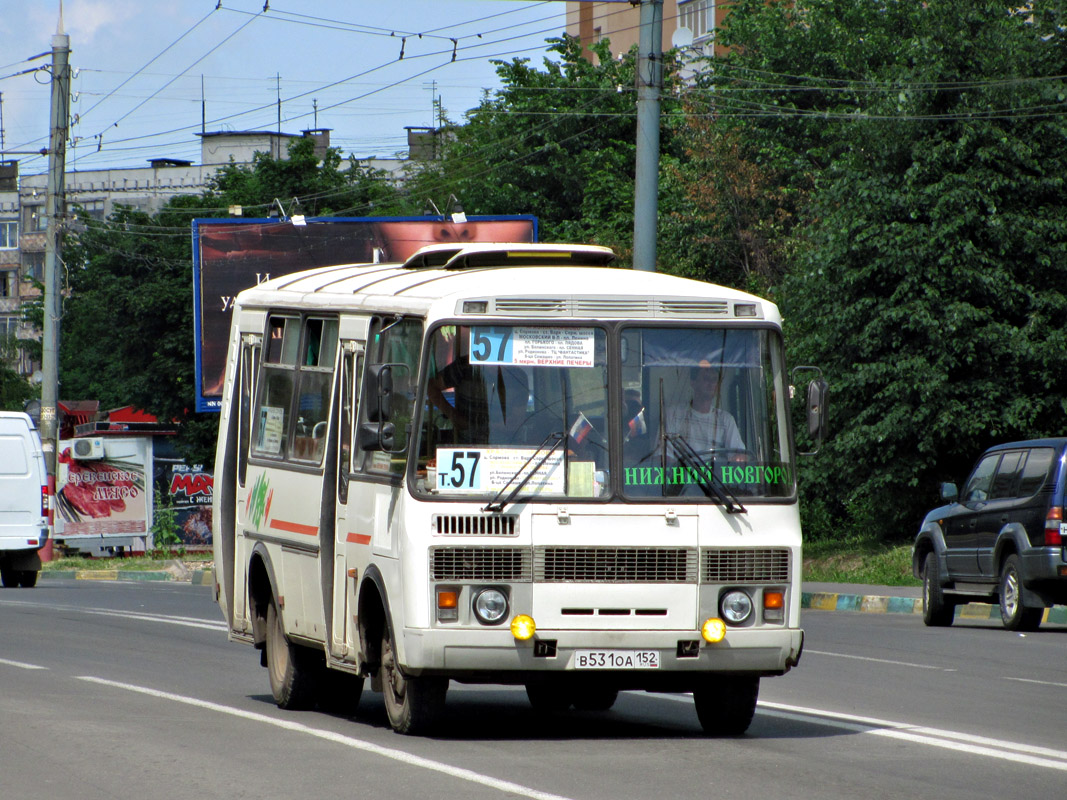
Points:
[230,255]
[188,491]
[103,493]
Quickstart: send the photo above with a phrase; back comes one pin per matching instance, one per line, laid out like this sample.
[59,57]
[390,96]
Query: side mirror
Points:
[377,436]
[818,392]
[379,391]
[949,492]
[814,415]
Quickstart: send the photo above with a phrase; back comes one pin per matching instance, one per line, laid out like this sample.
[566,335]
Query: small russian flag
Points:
[636,426]
[581,428]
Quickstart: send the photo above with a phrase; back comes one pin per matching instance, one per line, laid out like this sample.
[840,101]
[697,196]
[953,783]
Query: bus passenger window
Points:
[283,340]
[272,415]
[312,412]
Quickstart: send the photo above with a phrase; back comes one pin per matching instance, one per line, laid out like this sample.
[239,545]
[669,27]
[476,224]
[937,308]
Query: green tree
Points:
[929,274]
[322,187]
[127,329]
[556,142]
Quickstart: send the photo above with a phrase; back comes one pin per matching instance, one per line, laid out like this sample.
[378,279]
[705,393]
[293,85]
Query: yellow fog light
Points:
[523,627]
[714,630]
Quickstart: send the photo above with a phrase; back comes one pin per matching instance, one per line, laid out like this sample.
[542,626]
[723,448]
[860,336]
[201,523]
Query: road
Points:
[130,690]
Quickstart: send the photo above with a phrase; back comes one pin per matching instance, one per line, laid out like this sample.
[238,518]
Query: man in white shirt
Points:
[701,422]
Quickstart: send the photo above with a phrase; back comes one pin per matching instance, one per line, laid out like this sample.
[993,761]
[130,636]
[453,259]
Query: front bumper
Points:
[462,652]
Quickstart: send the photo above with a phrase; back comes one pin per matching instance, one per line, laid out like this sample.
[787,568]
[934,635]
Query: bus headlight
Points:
[490,606]
[736,607]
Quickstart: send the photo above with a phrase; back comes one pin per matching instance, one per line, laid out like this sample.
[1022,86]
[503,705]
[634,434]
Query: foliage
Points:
[127,336]
[556,142]
[127,319]
[928,274]
[14,389]
[166,535]
[322,187]
[865,561]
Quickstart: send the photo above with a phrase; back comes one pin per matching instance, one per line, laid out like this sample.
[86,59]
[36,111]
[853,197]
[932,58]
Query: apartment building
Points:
[687,23]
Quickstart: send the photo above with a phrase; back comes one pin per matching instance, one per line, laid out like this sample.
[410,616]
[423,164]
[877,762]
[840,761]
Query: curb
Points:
[199,577]
[877,604]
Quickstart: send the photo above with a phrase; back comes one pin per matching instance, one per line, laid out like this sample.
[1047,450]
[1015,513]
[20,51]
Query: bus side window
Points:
[273,415]
[398,342]
[316,381]
[271,424]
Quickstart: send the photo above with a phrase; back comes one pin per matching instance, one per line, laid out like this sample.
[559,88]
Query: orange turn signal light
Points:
[773,599]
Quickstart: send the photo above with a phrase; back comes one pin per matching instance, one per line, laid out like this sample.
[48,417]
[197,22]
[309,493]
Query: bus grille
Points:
[745,566]
[615,565]
[480,564]
[475,525]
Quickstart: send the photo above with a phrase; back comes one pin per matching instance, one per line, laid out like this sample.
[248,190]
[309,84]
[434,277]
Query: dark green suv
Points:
[1002,540]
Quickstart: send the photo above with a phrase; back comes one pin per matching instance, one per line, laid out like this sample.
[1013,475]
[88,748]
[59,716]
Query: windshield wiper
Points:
[713,487]
[496,505]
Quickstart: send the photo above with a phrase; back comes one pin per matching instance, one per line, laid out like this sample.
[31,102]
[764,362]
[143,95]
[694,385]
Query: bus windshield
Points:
[704,407]
[513,403]
[695,413]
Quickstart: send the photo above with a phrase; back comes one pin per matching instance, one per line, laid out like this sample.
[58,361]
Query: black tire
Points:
[549,697]
[726,704]
[595,698]
[413,704]
[28,578]
[1013,614]
[9,578]
[291,668]
[937,611]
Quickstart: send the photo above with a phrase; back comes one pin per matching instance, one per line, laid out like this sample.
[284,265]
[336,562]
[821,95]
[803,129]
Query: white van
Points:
[23,500]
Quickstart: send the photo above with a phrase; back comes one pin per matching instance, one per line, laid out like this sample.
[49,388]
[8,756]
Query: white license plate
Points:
[616,659]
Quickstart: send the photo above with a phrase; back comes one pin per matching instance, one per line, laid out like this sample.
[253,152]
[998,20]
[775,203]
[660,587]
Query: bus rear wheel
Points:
[292,675]
[413,704]
[726,704]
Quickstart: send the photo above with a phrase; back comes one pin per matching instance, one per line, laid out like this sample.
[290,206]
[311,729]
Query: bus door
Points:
[233,578]
[374,498]
[350,551]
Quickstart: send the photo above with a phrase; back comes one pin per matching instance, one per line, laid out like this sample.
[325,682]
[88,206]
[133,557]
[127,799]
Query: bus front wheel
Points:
[412,704]
[726,704]
[292,675]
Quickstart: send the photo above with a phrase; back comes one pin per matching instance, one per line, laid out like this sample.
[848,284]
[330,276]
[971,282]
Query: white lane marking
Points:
[875,660]
[188,622]
[337,738]
[951,740]
[917,734]
[144,616]
[1031,680]
[20,664]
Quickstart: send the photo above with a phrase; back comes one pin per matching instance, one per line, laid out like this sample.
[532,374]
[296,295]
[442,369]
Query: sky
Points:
[146,72]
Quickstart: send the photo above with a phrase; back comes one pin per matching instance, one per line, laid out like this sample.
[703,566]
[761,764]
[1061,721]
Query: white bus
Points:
[499,463]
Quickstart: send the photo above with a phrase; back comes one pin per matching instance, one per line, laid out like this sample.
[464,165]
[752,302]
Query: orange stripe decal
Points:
[358,538]
[294,527]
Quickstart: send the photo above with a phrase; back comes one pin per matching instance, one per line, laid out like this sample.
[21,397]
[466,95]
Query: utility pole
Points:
[55,208]
[646,171]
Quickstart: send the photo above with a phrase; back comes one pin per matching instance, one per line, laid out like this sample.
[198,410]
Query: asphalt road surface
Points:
[130,690]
